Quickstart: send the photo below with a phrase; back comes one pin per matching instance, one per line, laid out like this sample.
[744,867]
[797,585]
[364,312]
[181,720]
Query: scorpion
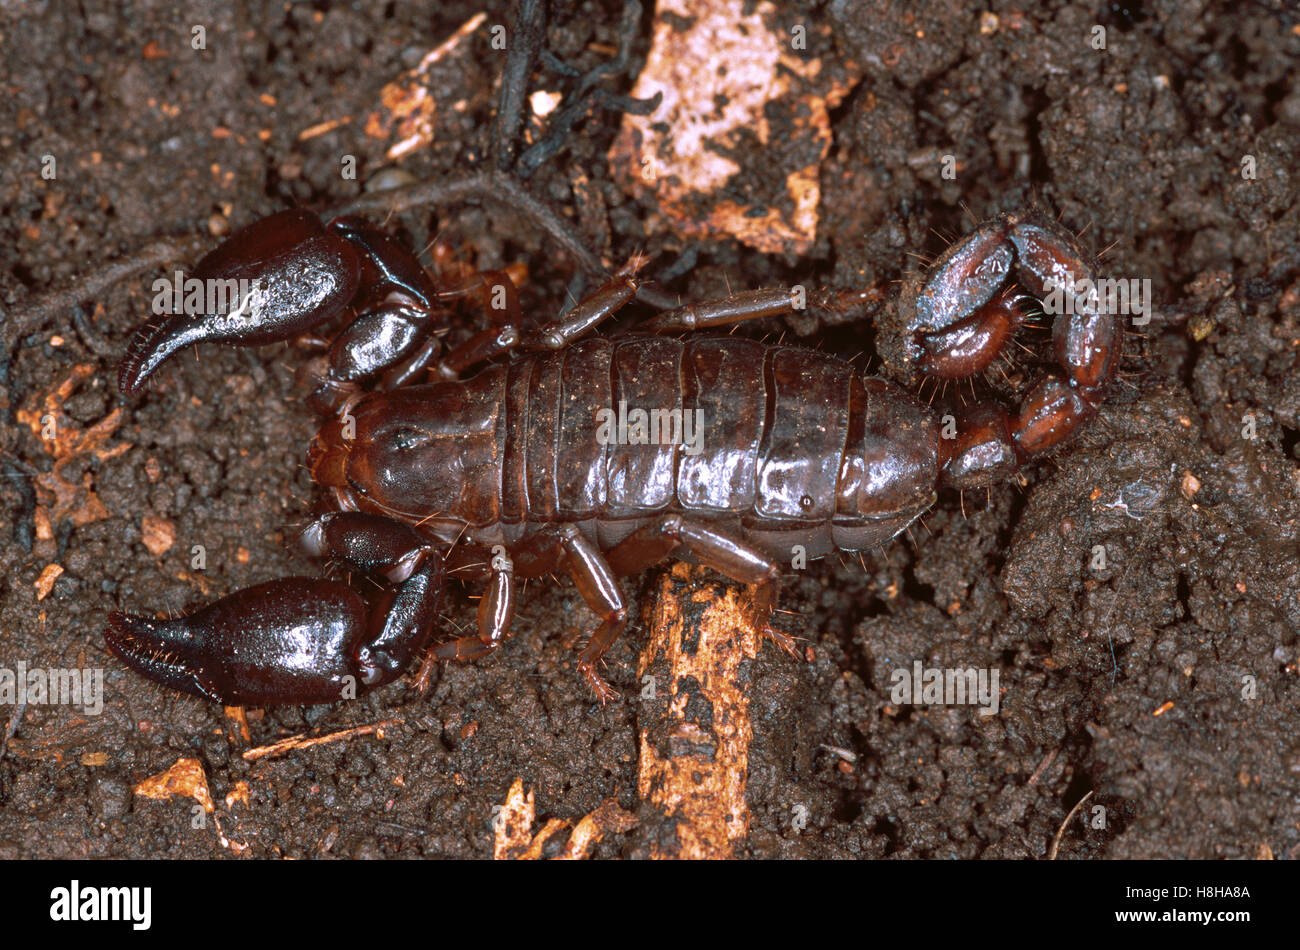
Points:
[506,475]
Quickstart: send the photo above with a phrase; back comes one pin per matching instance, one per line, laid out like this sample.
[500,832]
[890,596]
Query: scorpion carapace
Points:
[599,456]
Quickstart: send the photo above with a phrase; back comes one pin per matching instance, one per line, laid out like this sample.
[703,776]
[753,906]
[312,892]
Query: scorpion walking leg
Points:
[729,556]
[506,317]
[590,312]
[595,582]
[600,589]
[494,291]
[737,308]
[599,306]
[496,611]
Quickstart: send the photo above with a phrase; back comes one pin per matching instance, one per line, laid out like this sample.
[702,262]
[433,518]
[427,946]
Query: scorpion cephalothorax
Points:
[508,474]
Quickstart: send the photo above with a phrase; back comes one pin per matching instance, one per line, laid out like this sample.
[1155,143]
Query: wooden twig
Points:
[294,743]
[1056,842]
[36,313]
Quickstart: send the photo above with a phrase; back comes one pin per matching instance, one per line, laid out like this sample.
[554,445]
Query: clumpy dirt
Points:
[1159,678]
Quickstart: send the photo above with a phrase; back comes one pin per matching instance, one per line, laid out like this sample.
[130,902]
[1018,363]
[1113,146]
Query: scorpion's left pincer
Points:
[299,639]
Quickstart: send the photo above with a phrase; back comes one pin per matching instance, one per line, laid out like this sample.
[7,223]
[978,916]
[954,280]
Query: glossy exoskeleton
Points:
[515,472]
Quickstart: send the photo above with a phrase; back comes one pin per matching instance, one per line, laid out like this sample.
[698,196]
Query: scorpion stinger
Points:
[961,314]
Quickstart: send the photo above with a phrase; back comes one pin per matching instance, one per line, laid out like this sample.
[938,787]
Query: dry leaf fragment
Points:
[45,582]
[513,822]
[409,109]
[186,779]
[727,77]
[512,826]
[157,533]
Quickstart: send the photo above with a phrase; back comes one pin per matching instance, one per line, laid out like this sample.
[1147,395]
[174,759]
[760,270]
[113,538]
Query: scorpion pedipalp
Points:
[299,639]
[294,275]
[293,640]
[287,273]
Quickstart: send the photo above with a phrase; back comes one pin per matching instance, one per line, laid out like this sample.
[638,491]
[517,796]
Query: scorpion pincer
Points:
[506,474]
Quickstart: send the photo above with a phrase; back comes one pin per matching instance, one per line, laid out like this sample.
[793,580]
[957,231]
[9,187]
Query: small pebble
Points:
[388,178]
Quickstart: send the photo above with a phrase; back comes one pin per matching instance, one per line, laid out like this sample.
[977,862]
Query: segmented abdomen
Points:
[760,430]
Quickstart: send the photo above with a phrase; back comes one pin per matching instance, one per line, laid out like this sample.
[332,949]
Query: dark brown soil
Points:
[1164,683]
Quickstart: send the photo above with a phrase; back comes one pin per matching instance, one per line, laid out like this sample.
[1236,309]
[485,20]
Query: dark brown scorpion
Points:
[517,470]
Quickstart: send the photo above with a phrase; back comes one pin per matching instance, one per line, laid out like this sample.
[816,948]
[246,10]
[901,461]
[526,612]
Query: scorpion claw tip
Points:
[152,345]
[145,646]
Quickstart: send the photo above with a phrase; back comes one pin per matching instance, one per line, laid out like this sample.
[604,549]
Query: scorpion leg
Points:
[599,587]
[593,577]
[737,308]
[729,556]
[502,299]
[495,292]
[496,612]
[590,312]
[593,310]
[298,639]
[591,574]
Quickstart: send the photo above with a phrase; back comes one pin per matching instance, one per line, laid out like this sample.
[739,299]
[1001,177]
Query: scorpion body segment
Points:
[590,455]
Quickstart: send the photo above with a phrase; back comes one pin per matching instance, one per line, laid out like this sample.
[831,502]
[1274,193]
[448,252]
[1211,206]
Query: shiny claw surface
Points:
[294,640]
[278,277]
